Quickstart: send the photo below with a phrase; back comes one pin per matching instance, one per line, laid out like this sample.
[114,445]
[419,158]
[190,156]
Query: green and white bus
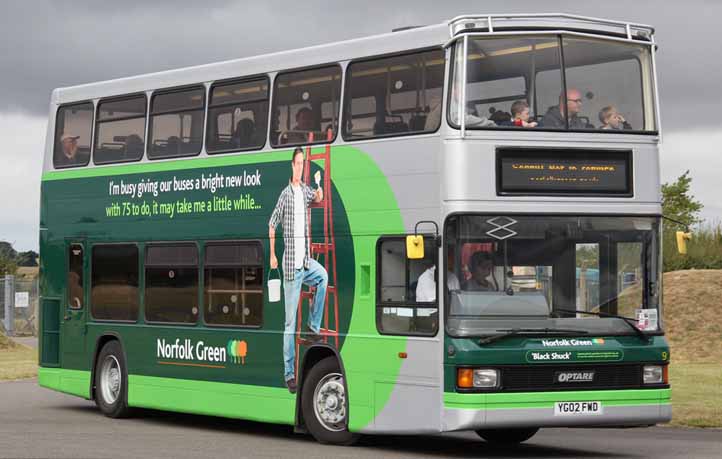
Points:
[489,230]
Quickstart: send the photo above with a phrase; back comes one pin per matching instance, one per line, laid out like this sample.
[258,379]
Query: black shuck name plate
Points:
[574,172]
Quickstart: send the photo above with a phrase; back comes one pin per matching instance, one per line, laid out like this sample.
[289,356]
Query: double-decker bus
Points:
[466,216]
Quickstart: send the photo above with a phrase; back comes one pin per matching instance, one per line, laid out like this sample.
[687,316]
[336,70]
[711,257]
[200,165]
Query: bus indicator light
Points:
[465,378]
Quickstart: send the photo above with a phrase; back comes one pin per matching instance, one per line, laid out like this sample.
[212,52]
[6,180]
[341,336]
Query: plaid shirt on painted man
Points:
[284,210]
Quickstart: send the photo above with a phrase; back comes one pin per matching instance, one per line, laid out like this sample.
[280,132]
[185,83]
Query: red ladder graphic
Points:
[327,248]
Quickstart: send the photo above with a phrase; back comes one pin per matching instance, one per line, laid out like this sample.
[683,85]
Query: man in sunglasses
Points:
[554,117]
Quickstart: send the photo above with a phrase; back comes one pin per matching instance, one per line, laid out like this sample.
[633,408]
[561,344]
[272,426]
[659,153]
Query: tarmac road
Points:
[39,423]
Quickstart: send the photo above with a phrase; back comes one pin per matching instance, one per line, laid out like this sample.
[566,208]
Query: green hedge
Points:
[704,251]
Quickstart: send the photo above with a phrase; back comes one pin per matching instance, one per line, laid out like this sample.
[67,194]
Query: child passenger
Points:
[612,119]
[520,115]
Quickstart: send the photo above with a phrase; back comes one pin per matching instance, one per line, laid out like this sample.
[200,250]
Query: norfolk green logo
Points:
[238,351]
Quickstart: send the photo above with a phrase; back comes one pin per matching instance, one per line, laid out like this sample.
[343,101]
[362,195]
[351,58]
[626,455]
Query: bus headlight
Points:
[486,378]
[652,374]
[477,378]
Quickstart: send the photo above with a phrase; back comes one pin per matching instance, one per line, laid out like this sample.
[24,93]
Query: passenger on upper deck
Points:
[612,119]
[554,117]
[304,125]
[520,114]
[69,154]
[304,119]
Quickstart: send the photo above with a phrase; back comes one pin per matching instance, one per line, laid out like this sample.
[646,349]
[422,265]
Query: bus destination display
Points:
[544,172]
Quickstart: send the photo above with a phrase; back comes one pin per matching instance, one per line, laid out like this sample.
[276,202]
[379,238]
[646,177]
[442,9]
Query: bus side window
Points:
[233,284]
[406,301]
[394,95]
[114,291]
[73,129]
[120,130]
[237,116]
[171,283]
[305,102]
[176,123]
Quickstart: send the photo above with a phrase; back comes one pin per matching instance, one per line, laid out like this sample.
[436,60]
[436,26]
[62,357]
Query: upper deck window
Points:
[554,82]
[120,134]
[176,123]
[394,95]
[73,128]
[237,116]
[305,103]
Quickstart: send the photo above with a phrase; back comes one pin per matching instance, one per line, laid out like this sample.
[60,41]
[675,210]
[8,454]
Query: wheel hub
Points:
[110,380]
[330,402]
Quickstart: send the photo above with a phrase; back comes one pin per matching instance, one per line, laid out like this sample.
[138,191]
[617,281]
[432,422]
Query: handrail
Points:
[494,21]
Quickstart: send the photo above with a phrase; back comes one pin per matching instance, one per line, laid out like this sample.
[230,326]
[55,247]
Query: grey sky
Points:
[48,44]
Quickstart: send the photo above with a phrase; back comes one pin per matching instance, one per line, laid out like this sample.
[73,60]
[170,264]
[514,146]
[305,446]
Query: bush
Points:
[704,251]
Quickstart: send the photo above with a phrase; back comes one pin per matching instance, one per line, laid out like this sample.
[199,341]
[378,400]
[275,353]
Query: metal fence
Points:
[19,305]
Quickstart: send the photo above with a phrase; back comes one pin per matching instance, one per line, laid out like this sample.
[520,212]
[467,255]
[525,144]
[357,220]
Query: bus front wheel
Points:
[324,405]
[111,381]
[507,436]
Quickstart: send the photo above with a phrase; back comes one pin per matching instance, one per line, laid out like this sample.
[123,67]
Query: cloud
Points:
[23,145]
[51,44]
[699,151]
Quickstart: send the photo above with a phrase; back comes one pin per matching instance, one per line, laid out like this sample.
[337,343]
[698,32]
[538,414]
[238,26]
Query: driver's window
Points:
[75,276]
[406,302]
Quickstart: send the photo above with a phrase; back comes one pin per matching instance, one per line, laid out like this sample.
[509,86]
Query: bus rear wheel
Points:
[507,436]
[324,404]
[111,381]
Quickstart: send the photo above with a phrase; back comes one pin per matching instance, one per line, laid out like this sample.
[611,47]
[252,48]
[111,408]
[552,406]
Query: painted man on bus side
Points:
[298,266]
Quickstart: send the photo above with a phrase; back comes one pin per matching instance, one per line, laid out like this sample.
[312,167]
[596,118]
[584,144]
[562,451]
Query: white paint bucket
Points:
[274,287]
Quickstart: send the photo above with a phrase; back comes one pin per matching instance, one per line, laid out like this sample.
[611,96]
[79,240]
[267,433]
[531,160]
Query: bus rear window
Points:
[120,132]
[73,129]
[176,123]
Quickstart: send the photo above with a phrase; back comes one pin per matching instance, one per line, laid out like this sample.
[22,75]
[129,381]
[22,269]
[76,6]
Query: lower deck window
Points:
[171,283]
[233,284]
[114,282]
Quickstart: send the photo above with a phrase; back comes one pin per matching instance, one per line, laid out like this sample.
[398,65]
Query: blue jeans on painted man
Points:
[314,276]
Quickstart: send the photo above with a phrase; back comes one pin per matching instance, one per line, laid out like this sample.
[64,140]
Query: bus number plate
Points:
[577,408]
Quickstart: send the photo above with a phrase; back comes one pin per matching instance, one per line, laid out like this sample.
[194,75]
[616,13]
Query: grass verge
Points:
[696,394]
[17,361]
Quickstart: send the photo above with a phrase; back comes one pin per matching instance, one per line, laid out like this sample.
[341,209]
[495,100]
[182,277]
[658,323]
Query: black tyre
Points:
[507,436]
[324,404]
[111,381]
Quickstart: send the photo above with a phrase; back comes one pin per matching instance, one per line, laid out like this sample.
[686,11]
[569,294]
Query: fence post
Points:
[10,304]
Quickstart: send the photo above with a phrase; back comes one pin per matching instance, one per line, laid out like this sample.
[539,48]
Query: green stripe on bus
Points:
[256,403]
[74,382]
[547,399]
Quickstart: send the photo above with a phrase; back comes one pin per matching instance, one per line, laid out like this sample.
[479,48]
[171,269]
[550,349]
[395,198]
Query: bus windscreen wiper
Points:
[530,331]
[627,320]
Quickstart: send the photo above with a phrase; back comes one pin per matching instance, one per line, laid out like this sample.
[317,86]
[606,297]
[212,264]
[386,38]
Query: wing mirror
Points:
[415,242]
[682,238]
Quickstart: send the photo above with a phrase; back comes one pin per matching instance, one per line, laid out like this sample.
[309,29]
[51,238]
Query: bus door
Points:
[72,342]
